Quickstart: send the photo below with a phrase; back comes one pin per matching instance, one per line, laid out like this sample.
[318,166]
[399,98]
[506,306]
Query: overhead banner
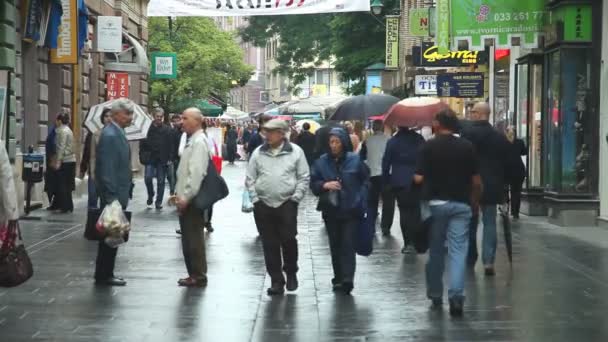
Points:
[392,43]
[67,40]
[442,36]
[227,8]
[501,20]
[462,84]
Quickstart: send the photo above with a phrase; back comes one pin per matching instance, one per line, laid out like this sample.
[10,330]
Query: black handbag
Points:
[15,265]
[213,189]
[90,229]
[329,201]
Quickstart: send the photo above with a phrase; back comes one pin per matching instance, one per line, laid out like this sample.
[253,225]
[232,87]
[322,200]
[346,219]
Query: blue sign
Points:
[462,84]
[373,83]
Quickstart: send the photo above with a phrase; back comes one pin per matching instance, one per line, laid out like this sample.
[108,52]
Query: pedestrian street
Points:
[556,290]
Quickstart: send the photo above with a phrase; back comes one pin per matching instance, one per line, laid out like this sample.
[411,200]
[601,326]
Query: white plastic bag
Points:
[113,224]
[247,205]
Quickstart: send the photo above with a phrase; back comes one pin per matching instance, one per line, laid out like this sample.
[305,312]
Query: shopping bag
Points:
[113,225]
[15,264]
[247,205]
[91,232]
[365,236]
[217,162]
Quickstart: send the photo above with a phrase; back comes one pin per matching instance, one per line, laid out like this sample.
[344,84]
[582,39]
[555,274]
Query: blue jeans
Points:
[159,171]
[93,197]
[172,177]
[489,240]
[451,221]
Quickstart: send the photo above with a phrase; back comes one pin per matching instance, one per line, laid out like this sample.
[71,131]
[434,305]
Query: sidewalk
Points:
[555,292]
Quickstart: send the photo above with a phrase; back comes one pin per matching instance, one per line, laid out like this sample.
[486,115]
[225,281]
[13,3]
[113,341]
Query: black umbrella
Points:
[363,106]
[506,228]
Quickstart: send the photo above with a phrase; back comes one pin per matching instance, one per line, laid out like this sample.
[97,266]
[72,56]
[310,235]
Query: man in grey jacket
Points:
[277,180]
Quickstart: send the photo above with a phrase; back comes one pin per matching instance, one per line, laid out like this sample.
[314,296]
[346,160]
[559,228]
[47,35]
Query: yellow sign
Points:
[432,54]
[392,43]
[67,40]
[319,90]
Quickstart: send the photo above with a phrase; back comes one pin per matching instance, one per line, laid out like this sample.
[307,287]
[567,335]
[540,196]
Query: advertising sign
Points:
[429,56]
[392,43]
[425,85]
[109,34]
[419,22]
[462,84]
[442,36]
[67,41]
[117,85]
[164,65]
[373,83]
[475,20]
[227,8]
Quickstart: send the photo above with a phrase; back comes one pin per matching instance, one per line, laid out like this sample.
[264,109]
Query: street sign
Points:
[109,34]
[164,65]
[462,84]
[425,85]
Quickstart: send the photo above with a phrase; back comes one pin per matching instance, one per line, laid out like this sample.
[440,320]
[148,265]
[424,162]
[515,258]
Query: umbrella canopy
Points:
[204,106]
[363,106]
[232,113]
[414,112]
[300,107]
[314,126]
[138,129]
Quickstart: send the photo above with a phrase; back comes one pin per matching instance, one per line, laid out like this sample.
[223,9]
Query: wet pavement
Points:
[556,291]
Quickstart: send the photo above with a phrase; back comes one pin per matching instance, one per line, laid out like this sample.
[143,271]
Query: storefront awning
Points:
[133,59]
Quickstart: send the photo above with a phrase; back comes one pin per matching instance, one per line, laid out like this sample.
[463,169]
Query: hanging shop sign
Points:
[117,84]
[442,36]
[429,56]
[569,24]
[392,42]
[425,85]
[67,40]
[109,34]
[226,8]
[475,21]
[164,65]
[419,22]
[462,84]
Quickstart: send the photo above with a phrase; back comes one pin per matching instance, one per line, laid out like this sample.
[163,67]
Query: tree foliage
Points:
[353,41]
[208,59]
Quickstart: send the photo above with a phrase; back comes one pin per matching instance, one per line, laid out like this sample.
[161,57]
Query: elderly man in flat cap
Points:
[277,179]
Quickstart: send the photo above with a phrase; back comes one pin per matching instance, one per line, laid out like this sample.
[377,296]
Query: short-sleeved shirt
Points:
[448,164]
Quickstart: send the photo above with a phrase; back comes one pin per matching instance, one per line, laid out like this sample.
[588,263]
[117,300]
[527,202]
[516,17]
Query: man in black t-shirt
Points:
[448,169]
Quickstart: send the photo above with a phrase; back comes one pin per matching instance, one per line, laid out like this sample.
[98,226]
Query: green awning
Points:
[205,107]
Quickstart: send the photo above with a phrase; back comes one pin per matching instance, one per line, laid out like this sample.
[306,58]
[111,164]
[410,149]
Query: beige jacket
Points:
[192,166]
[93,155]
[65,145]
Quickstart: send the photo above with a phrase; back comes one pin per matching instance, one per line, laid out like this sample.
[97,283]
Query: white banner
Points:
[226,8]
[425,85]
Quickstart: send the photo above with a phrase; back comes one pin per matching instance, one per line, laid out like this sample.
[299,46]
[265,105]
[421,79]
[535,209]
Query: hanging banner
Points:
[501,20]
[462,84]
[419,22]
[392,43]
[109,34]
[117,84]
[67,40]
[226,8]
[442,36]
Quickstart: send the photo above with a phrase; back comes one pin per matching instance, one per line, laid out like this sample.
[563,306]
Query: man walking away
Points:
[176,135]
[398,166]
[306,140]
[155,153]
[372,152]
[190,174]
[493,150]
[277,179]
[113,180]
[448,169]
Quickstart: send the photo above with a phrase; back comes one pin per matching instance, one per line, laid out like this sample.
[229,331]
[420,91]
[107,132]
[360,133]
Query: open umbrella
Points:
[414,112]
[363,106]
[232,113]
[314,126]
[138,129]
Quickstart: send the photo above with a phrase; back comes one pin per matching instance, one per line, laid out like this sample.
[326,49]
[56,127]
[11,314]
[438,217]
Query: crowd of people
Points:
[459,175]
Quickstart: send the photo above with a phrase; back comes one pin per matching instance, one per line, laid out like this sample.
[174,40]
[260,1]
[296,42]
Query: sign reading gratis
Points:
[462,84]
[164,65]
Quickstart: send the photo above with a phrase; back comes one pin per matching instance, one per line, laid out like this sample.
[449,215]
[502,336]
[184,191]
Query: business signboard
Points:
[392,43]
[109,34]
[429,56]
[425,85]
[164,65]
[462,84]
[67,40]
[419,22]
[117,84]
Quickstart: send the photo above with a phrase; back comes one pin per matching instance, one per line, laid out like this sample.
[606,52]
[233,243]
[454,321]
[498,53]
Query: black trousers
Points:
[379,190]
[278,228]
[515,196]
[66,179]
[409,212]
[193,243]
[106,259]
[342,233]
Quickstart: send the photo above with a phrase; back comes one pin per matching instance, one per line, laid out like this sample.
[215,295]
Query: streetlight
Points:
[377,7]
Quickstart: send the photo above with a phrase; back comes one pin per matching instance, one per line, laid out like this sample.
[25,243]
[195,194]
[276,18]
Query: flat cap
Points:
[276,124]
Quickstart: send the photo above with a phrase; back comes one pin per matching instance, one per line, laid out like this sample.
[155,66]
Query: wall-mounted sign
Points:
[392,42]
[109,34]
[442,36]
[164,65]
[425,85]
[373,82]
[430,56]
[419,22]
[117,84]
[462,84]
[67,40]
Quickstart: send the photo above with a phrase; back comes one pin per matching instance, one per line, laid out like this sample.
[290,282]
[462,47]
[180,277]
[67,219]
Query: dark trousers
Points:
[106,259]
[158,171]
[342,233]
[379,190]
[66,175]
[193,243]
[515,196]
[172,177]
[278,228]
[409,212]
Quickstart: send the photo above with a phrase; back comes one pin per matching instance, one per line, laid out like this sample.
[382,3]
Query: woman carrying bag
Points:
[340,180]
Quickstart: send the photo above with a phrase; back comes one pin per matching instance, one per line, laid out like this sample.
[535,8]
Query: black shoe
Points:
[276,290]
[336,285]
[51,208]
[386,231]
[436,303]
[489,271]
[209,228]
[150,201]
[178,231]
[456,306]
[112,282]
[516,216]
[347,287]
[159,207]
[292,282]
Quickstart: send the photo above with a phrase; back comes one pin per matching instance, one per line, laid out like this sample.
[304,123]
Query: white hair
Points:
[197,112]
[123,104]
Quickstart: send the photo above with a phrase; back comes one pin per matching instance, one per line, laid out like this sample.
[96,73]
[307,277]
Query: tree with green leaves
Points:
[209,61]
[353,41]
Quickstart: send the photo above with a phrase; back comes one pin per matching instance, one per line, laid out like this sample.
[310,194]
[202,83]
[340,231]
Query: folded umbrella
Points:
[506,228]
[138,129]
[414,112]
[363,106]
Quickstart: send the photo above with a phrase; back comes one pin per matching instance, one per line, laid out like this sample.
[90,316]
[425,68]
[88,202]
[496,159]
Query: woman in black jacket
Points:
[517,170]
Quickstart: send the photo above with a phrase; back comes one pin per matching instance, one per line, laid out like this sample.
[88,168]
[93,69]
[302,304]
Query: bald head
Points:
[481,111]
[192,120]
